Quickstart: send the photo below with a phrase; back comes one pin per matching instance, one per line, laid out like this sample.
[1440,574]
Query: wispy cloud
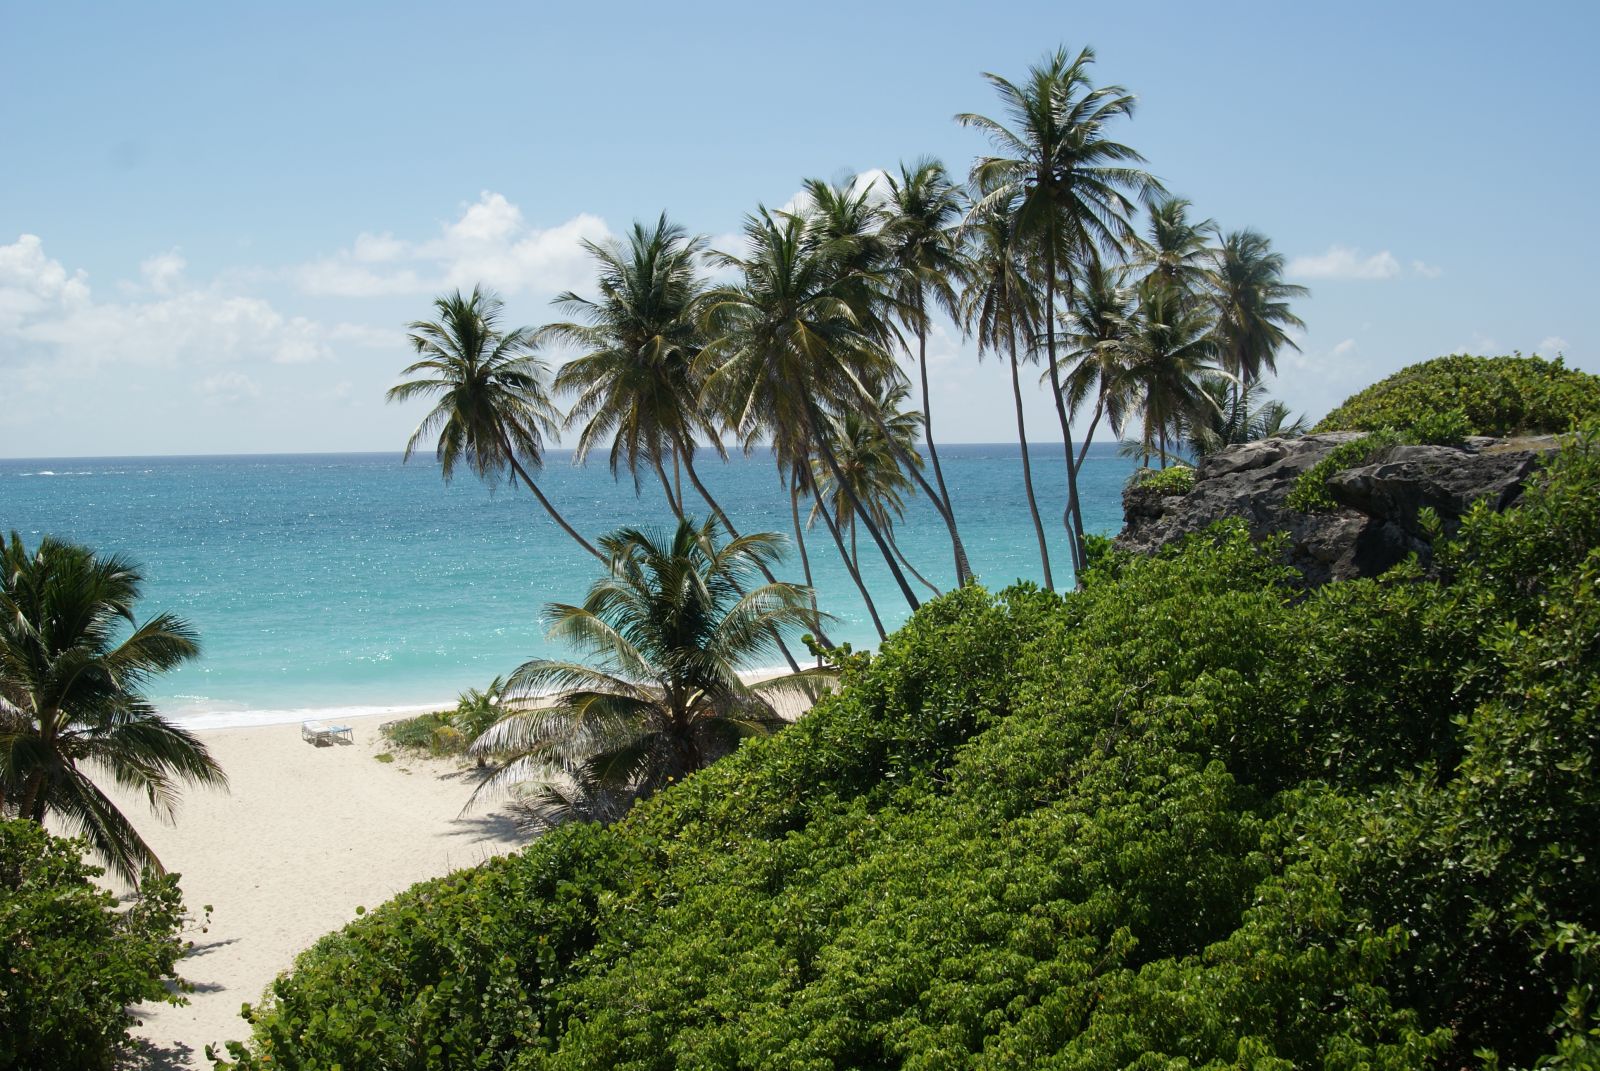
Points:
[1342,262]
[489,242]
[1346,262]
[1552,345]
[50,318]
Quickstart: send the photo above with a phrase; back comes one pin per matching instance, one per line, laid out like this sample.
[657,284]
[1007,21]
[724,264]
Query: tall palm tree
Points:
[1069,186]
[870,448]
[1252,304]
[789,344]
[1000,308]
[1170,348]
[492,411]
[655,693]
[74,661]
[634,389]
[926,265]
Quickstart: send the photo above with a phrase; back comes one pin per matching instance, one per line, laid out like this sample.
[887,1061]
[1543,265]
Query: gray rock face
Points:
[1376,524]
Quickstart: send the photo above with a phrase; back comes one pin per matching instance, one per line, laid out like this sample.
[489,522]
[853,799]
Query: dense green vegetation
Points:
[1180,816]
[71,961]
[1497,395]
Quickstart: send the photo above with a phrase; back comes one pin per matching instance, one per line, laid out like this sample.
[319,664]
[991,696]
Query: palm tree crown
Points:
[73,664]
[1252,304]
[492,411]
[665,633]
[639,340]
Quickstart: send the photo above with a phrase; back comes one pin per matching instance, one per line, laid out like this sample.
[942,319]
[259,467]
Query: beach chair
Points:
[315,732]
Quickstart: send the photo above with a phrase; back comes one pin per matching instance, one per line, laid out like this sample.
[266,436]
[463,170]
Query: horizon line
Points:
[1033,444]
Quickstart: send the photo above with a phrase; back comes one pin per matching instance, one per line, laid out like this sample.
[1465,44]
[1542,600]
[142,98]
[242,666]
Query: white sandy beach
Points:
[303,837]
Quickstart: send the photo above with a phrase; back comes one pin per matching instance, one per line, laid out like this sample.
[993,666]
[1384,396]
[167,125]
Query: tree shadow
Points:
[497,825]
[207,947]
[142,1054]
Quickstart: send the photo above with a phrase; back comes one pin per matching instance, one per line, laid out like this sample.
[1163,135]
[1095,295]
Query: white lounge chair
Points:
[317,733]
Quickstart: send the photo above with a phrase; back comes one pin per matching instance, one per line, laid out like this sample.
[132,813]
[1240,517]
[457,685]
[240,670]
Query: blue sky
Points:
[215,219]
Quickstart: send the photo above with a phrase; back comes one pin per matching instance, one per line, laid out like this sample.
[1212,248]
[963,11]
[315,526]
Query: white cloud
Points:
[1426,270]
[1551,346]
[490,243]
[1344,349]
[228,388]
[163,272]
[50,319]
[32,284]
[1342,262]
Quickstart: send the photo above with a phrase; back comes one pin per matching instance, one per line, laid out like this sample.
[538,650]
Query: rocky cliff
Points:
[1376,523]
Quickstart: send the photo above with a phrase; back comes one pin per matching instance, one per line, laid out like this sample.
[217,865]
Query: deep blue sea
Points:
[353,583]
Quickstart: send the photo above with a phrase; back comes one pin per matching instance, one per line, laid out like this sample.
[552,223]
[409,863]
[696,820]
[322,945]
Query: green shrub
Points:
[1310,491]
[1173,480]
[430,732]
[71,962]
[1496,396]
[1179,818]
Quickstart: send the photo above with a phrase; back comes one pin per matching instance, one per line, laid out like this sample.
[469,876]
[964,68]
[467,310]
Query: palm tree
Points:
[73,664]
[1252,304]
[1170,348]
[492,411]
[1000,308]
[635,381]
[1237,414]
[1098,329]
[638,341]
[870,448]
[789,344]
[655,693]
[926,266]
[1175,247]
[847,227]
[1067,184]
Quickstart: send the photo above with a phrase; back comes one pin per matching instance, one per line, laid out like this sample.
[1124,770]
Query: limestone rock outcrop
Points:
[1376,524]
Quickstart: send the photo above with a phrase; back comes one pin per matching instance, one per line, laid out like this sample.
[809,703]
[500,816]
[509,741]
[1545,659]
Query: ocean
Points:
[345,584]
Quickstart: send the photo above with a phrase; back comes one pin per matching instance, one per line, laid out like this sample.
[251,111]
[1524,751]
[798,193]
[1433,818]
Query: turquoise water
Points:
[352,582]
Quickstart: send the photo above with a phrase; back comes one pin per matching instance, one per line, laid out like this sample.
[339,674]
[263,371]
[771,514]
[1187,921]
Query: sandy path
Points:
[304,836]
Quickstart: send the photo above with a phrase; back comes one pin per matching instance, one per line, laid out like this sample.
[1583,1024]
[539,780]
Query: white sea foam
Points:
[203,715]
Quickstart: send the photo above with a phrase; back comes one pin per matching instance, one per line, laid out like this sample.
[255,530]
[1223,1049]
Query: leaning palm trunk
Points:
[948,509]
[516,466]
[674,501]
[855,574]
[912,569]
[832,461]
[805,557]
[1027,474]
[908,463]
[1094,422]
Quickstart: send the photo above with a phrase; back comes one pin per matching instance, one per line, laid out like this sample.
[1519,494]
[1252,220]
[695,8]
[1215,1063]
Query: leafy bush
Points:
[70,961]
[1180,818]
[1173,480]
[1310,491]
[1496,395]
[432,732]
